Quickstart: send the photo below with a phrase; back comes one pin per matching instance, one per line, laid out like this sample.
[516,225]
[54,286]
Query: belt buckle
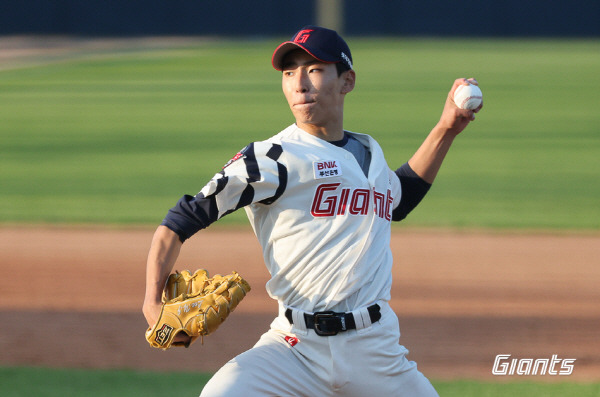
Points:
[320,318]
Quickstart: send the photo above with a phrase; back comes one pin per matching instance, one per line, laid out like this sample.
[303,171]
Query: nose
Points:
[301,81]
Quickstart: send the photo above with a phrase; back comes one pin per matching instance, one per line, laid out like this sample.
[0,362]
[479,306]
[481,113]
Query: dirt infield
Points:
[72,297]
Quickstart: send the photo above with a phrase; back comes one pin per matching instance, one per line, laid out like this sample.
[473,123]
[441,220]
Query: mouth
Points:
[305,103]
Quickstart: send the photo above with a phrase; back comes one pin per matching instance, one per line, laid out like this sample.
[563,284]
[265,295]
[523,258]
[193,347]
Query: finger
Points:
[181,337]
[473,81]
[461,81]
[478,108]
[466,113]
[457,82]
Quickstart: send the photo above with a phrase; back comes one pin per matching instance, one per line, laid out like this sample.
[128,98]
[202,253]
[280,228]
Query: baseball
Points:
[468,96]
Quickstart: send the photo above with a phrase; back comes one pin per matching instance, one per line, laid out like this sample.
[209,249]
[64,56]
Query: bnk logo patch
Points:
[163,334]
[326,169]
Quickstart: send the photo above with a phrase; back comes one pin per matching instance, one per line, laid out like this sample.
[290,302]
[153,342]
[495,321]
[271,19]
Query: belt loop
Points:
[362,318]
[299,322]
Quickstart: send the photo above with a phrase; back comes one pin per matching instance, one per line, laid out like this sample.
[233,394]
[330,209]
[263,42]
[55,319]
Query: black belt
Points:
[330,323]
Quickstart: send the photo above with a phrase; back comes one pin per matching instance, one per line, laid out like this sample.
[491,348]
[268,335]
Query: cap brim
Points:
[287,46]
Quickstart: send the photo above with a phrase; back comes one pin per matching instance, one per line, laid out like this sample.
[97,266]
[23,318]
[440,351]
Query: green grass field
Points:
[118,138]
[42,382]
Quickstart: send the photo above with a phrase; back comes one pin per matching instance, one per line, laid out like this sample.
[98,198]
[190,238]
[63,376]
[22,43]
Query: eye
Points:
[314,70]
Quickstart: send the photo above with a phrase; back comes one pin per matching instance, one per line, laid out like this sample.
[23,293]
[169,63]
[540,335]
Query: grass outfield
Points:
[118,138]
[19,382]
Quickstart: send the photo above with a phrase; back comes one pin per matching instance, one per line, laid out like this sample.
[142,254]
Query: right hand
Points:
[453,119]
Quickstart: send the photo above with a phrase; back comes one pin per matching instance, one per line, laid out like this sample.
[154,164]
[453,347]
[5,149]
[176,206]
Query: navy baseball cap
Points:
[321,43]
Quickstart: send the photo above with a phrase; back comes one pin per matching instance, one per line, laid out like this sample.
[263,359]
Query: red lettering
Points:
[302,36]
[359,204]
[324,207]
[325,164]
[379,204]
[327,202]
[343,201]
[388,205]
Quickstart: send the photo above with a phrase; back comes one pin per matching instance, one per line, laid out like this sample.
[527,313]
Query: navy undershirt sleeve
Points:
[414,188]
[190,214]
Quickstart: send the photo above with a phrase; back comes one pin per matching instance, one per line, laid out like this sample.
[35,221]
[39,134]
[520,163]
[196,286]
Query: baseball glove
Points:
[195,304]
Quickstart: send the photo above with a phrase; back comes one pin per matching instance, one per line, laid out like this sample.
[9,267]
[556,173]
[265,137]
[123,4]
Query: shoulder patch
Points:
[238,156]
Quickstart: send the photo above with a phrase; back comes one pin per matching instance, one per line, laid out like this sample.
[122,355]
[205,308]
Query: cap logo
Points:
[302,36]
[347,59]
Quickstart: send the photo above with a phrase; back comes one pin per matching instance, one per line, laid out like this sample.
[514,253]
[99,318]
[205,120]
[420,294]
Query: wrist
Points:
[445,132]
[153,299]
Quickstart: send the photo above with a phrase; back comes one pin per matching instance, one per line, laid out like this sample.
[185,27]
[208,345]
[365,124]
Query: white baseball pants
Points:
[293,361]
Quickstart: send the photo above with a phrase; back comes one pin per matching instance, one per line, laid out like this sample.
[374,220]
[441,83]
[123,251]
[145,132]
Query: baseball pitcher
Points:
[320,200]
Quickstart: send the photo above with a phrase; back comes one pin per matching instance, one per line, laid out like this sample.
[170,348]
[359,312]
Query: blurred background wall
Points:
[576,18]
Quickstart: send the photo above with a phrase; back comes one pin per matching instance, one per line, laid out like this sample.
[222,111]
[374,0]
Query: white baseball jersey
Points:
[324,226]
[325,231]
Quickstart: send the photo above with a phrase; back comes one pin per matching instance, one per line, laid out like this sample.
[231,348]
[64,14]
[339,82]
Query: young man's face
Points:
[314,91]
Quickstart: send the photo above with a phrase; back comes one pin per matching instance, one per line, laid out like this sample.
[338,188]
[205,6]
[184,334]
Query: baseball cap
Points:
[321,43]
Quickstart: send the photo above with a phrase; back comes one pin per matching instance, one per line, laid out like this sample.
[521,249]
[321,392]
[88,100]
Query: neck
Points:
[327,133]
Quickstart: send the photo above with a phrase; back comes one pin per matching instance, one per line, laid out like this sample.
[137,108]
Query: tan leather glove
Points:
[195,304]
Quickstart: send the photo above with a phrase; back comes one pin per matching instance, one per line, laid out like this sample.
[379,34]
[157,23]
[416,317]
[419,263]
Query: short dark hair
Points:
[341,68]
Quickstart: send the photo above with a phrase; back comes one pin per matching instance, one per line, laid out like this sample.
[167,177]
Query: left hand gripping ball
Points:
[468,96]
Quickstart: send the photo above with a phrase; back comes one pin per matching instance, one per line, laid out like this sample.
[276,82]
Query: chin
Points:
[303,118]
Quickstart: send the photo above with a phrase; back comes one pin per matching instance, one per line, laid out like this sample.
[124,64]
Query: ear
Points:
[349,77]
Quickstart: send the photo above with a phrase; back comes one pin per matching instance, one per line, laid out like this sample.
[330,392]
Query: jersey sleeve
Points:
[254,175]
[414,188]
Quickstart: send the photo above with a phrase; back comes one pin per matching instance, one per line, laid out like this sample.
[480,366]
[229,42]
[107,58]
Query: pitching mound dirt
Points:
[72,297]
